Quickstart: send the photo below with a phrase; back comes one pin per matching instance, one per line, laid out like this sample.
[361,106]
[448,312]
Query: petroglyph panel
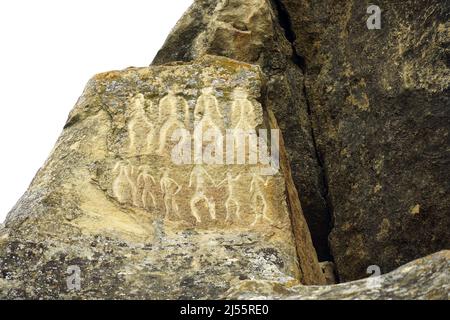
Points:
[111,187]
[209,119]
[200,195]
[213,114]
[195,194]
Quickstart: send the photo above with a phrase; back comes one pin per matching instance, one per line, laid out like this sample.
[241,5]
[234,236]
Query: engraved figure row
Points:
[138,187]
[143,134]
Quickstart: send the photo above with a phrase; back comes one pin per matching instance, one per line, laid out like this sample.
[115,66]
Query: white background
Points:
[48,51]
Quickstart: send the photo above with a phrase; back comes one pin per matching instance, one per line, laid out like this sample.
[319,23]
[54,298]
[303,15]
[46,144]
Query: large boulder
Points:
[364,114]
[363,160]
[380,111]
[139,214]
[251,31]
[423,279]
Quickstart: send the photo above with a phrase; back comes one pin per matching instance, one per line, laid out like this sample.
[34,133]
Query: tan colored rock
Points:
[299,225]
[113,214]
[329,271]
[251,31]
[119,201]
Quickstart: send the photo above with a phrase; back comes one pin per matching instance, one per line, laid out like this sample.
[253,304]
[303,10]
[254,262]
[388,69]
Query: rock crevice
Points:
[364,152]
[326,224]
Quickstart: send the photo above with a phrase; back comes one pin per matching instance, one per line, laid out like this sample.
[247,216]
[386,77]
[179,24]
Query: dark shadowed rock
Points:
[380,112]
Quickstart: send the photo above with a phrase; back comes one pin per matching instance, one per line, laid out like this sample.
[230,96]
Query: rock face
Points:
[130,205]
[250,31]
[364,115]
[380,110]
[424,279]
[126,199]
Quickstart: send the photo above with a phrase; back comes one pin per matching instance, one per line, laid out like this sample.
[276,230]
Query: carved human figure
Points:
[124,186]
[206,112]
[146,184]
[232,198]
[206,115]
[140,130]
[243,118]
[243,111]
[198,176]
[169,106]
[258,198]
[169,188]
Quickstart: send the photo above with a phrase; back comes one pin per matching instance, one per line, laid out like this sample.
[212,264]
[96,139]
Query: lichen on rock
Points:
[363,164]
[113,201]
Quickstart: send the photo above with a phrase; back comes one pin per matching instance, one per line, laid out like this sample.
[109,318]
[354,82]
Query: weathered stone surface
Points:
[112,201]
[250,31]
[329,270]
[426,278]
[380,109]
[364,115]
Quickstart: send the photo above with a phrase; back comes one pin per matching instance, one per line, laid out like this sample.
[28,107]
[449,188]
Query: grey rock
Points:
[423,279]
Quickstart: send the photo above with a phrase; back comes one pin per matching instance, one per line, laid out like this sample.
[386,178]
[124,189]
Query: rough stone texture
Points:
[380,109]
[298,221]
[111,200]
[329,270]
[424,279]
[250,31]
[364,115]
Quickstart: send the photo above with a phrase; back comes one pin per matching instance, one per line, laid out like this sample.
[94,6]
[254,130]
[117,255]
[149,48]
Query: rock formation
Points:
[425,278]
[364,114]
[131,205]
[126,198]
